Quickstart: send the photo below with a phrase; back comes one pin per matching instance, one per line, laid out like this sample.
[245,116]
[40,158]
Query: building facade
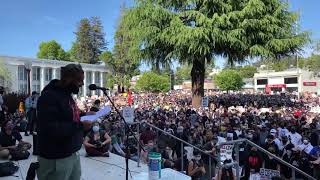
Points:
[42,71]
[291,80]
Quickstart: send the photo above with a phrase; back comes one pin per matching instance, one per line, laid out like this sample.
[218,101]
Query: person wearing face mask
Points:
[305,146]
[295,137]
[97,142]
[60,131]
[196,166]
[253,162]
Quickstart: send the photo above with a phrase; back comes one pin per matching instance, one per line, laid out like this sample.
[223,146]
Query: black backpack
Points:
[8,169]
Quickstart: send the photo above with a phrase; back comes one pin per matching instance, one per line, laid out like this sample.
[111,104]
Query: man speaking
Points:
[60,131]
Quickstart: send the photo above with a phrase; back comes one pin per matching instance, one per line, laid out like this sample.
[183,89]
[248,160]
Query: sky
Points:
[25,24]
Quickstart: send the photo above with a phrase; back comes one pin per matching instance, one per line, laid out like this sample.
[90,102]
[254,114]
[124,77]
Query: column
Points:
[54,73]
[41,78]
[93,75]
[84,88]
[101,82]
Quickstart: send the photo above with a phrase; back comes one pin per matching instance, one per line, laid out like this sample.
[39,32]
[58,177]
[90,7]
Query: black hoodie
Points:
[60,132]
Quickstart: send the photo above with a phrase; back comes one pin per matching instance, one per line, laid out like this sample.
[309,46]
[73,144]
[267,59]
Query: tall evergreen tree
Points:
[90,41]
[123,65]
[193,31]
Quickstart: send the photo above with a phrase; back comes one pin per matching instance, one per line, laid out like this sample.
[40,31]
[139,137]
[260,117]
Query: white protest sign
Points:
[226,152]
[205,101]
[128,114]
[267,174]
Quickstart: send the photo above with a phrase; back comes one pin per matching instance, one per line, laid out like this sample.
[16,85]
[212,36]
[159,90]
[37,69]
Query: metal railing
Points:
[218,157]
[210,156]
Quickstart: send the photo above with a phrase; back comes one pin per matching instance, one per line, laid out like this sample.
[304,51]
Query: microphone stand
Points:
[127,131]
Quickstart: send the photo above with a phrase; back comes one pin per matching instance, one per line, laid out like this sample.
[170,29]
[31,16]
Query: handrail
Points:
[237,142]
[180,140]
[280,160]
[269,154]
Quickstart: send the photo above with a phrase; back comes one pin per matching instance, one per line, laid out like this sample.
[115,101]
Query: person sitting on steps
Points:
[97,142]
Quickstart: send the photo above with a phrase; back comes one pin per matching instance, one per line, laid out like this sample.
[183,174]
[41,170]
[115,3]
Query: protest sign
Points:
[128,114]
[267,174]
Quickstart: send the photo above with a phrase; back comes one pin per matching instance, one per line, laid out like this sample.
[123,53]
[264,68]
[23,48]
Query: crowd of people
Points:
[284,125]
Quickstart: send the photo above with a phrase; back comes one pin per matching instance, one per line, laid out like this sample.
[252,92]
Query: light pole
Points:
[28,67]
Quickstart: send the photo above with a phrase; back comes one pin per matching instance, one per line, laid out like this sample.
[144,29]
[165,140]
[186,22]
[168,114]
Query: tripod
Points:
[127,131]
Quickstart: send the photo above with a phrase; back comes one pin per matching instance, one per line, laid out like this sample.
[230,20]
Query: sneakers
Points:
[106,154]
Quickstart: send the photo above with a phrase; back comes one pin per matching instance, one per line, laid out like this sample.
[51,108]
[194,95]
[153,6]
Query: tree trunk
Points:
[197,76]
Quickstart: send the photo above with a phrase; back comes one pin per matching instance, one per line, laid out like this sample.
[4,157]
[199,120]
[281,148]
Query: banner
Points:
[128,114]
[205,101]
[267,174]
[226,152]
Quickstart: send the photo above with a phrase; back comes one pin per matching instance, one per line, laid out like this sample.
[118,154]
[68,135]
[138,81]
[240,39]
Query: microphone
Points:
[94,87]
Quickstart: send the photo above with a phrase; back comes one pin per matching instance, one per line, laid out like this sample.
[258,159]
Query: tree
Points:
[52,50]
[193,31]
[228,80]
[153,82]
[4,72]
[89,42]
[183,73]
[247,71]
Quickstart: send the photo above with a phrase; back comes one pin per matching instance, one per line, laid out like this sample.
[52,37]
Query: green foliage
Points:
[52,50]
[4,72]
[153,82]
[90,41]
[229,79]
[312,63]
[193,31]
[247,71]
[183,73]
[109,81]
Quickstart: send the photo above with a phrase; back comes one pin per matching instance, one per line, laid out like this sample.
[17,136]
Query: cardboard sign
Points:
[205,101]
[226,152]
[128,114]
[267,174]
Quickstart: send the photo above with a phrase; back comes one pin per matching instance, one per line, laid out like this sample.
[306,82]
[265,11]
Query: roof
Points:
[10,60]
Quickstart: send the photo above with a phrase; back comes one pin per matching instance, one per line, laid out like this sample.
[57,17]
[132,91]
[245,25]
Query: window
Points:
[36,87]
[292,80]
[48,74]
[23,88]
[97,78]
[262,81]
[261,89]
[36,73]
[88,82]
[292,89]
[22,73]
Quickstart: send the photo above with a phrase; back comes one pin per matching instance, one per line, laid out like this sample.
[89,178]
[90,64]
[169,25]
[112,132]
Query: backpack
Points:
[19,155]
[8,169]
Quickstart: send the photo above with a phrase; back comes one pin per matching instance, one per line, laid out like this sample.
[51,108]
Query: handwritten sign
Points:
[267,174]
[205,101]
[226,152]
[128,114]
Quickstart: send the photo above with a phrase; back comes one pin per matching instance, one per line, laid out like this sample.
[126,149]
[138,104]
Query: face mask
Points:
[250,136]
[289,153]
[74,89]
[197,158]
[95,128]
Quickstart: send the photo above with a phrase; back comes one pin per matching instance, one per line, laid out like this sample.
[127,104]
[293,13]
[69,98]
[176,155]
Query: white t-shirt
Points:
[306,148]
[296,138]
[283,132]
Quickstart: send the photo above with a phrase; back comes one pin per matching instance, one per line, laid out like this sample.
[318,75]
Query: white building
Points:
[291,80]
[42,71]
